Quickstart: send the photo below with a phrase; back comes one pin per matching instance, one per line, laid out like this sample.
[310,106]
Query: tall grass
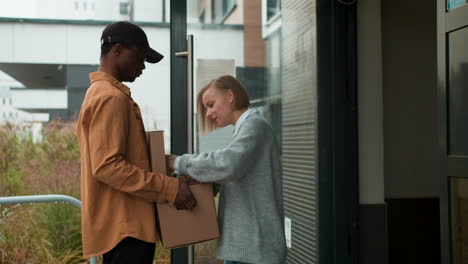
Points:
[45,233]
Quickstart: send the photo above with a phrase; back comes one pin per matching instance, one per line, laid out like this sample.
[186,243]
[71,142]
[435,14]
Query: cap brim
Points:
[153,56]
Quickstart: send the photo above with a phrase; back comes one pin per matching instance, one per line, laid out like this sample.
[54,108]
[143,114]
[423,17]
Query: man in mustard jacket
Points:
[118,191]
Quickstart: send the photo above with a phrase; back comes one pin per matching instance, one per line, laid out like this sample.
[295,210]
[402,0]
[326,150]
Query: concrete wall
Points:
[77,44]
[370,101]
[373,210]
[150,11]
[398,149]
[39,99]
[237,15]
[106,10]
[397,100]
[412,173]
[410,98]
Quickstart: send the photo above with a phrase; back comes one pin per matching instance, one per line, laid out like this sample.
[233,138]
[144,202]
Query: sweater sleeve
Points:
[229,163]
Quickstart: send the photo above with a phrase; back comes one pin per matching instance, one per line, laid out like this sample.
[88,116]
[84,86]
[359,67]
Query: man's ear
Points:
[116,49]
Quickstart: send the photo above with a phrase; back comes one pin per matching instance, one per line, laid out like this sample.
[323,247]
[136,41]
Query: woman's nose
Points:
[209,114]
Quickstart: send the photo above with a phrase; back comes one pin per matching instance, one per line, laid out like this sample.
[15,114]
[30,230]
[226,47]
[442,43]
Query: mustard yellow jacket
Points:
[118,190]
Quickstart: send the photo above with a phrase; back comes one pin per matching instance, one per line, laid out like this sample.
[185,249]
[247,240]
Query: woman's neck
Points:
[237,114]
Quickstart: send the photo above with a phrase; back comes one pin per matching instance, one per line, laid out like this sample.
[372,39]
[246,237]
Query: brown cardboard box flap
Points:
[178,228]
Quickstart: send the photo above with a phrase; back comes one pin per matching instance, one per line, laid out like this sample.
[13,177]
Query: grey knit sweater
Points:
[251,214]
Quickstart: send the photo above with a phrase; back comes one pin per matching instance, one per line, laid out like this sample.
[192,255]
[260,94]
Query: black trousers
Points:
[130,251]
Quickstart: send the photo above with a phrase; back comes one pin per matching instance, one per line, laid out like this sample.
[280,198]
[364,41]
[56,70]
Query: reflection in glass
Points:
[458,93]
[459,219]
[273,8]
[227,6]
[229,39]
[451,4]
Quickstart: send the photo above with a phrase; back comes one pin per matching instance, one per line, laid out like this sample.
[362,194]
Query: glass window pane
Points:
[458,92]
[273,8]
[451,4]
[124,8]
[227,6]
[254,60]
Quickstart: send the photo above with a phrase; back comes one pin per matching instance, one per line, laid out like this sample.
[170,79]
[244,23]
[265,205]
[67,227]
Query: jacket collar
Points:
[102,76]
[242,118]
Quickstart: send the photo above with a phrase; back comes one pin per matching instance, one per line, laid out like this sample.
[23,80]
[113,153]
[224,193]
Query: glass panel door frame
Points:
[337,132]
[450,165]
[179,99]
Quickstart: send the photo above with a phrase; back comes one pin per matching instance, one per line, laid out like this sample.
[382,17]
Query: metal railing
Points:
[49,198]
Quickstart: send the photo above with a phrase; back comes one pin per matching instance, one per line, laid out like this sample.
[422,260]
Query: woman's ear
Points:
[230,96]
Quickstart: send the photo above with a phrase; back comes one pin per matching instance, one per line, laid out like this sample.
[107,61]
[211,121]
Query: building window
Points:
[273,8]
[85,6]
[273,107]
[451,4]
[77,5]
[201,18]
[124,8]
[228,5]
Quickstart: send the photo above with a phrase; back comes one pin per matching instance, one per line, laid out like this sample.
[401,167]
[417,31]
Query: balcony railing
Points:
[50,198]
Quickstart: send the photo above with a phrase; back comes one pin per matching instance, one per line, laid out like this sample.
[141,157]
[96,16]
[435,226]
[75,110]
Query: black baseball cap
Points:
[127,33]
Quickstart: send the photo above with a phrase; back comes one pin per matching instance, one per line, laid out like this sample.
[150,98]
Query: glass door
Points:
[453,118]
[219,37]
[457,142]
[228,39]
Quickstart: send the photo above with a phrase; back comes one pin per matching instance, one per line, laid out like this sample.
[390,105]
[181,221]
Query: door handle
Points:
[182,54]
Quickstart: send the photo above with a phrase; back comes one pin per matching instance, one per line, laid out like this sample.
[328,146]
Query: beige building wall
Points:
[410,99]
[370,115]
[205,6]
[237,14]
[254,45]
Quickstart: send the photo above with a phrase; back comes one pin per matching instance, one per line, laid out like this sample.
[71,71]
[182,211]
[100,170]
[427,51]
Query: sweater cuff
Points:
[176,164]
[183,164]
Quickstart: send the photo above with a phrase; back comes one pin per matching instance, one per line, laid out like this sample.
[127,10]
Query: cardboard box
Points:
[178,228]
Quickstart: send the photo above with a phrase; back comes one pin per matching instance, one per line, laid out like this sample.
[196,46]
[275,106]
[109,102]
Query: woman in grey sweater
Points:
[251,215]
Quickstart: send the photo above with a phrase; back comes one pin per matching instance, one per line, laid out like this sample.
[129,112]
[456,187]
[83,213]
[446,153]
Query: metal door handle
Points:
[182,54]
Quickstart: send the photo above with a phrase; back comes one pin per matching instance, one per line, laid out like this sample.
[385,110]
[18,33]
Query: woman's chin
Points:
[220,125]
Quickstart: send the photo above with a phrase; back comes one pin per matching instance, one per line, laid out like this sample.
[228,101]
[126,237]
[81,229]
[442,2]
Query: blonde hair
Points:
[223,83]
